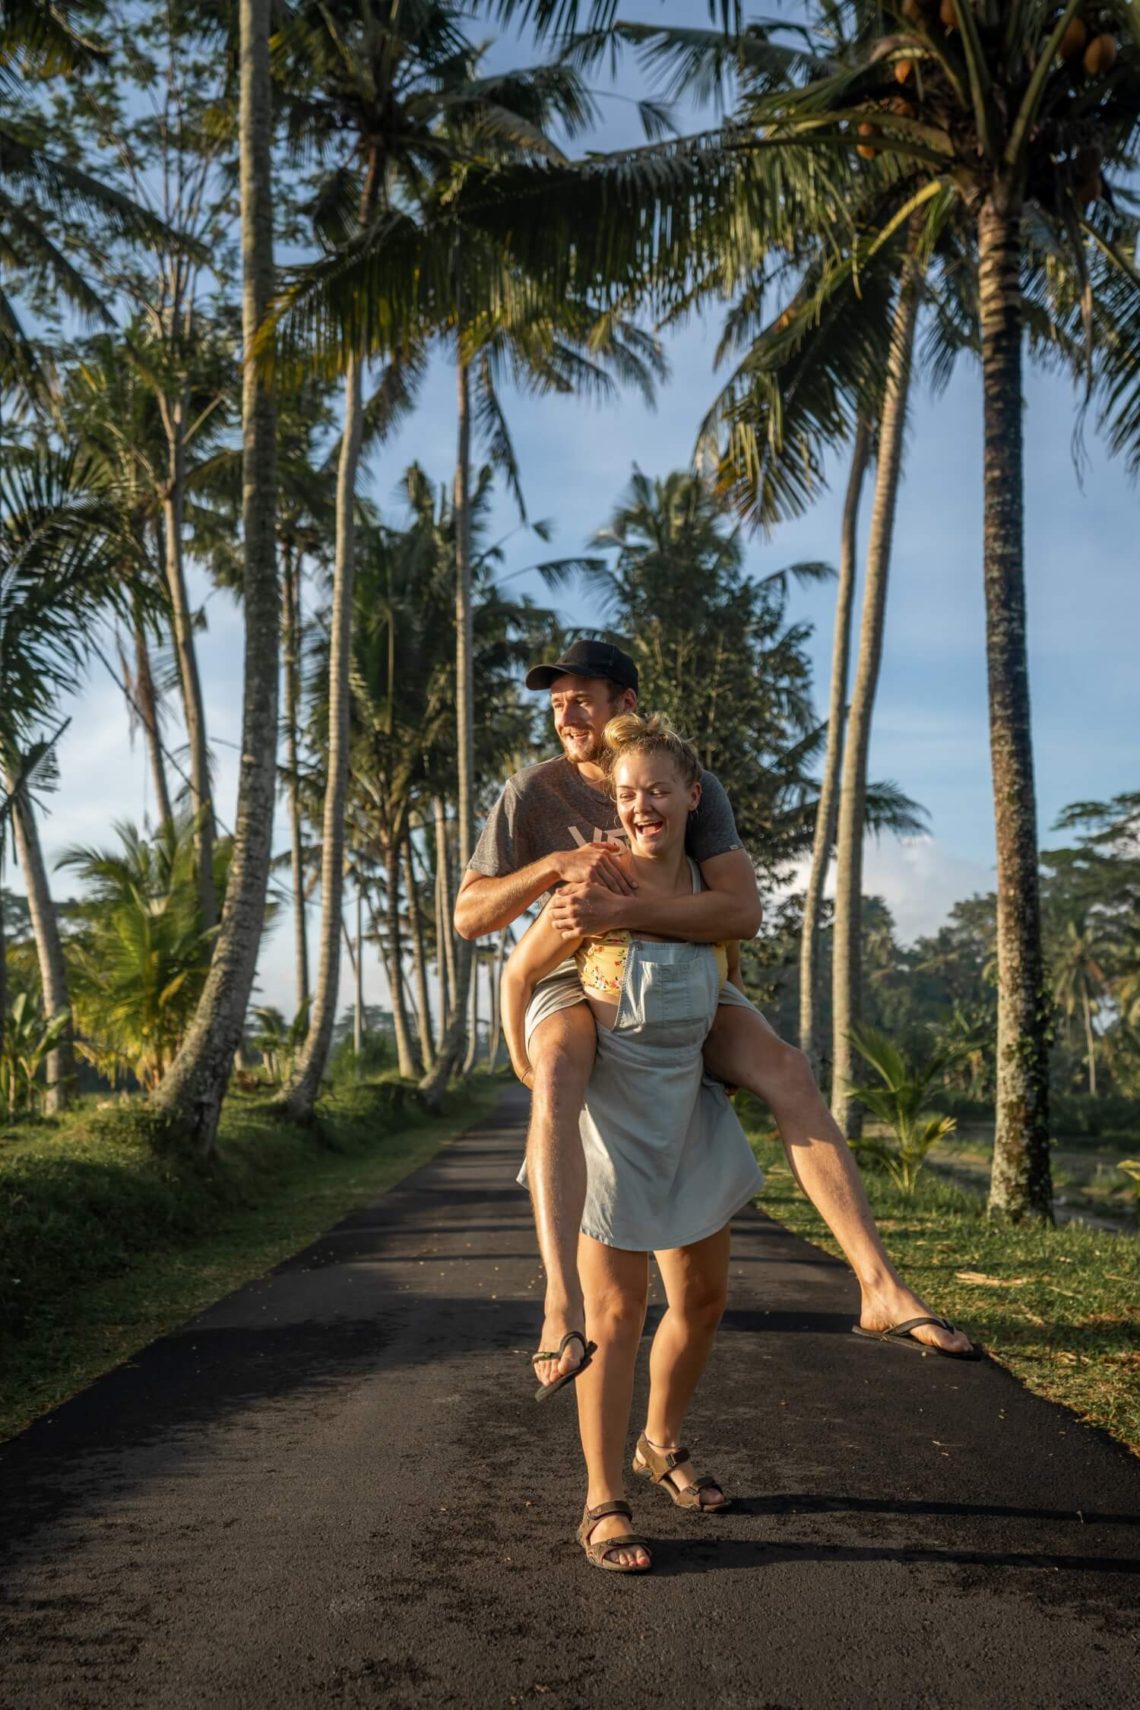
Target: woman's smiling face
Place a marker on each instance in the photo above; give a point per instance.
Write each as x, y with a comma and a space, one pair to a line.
653, 802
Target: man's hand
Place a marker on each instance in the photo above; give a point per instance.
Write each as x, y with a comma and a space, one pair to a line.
583, 911
601, 864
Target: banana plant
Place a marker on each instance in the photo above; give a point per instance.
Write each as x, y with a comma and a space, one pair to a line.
27, 1040
899, 1099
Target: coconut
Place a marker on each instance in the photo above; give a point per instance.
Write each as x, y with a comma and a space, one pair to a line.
1100, 55
948, 12
903, 70
1074, 39
864, 150
1088, 190
913, 10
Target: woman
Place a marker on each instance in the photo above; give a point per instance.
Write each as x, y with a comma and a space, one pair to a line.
667, 1161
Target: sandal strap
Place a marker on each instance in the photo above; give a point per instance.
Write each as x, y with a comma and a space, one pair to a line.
705, 1483
662, 1461
593, 1515
557, 1353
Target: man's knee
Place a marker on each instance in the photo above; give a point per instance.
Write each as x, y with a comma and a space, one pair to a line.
749, 1053
562, 1052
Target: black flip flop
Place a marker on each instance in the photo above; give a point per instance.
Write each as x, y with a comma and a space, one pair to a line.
588, 1348
900, 1335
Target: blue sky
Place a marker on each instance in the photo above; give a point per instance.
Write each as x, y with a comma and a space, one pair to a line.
930, 733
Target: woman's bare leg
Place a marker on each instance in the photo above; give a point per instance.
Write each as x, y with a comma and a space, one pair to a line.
696, 1283
615, 1284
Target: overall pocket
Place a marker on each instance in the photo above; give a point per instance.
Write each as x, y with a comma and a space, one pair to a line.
672, 994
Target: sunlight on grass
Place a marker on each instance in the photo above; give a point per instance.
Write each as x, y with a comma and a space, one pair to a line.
1059, 1307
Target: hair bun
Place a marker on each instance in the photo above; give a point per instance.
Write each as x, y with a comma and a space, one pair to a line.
631, 732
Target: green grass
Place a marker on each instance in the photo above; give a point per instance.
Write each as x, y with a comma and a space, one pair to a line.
105, 1245
1059, 1307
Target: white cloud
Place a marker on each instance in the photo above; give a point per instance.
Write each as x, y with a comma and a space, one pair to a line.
918, 878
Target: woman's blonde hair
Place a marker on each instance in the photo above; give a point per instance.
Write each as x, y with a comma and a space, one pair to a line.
631, 733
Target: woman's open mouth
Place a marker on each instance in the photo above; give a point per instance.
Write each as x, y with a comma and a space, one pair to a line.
648, 828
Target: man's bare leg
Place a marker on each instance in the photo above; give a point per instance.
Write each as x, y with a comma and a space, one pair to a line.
562, 1054
744, 1051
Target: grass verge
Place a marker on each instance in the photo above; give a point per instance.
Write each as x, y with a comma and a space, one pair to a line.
1059, 1307
104, 1245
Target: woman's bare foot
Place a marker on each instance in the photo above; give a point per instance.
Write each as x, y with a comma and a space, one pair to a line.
613, 1526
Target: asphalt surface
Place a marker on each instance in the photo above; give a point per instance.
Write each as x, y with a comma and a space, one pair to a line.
333, 1488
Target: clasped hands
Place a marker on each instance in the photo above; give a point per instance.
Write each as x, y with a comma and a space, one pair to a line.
596, 883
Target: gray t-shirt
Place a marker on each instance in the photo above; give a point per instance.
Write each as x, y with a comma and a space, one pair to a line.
549, 807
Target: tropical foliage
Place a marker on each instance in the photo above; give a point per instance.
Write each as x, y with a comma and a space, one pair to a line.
868, 194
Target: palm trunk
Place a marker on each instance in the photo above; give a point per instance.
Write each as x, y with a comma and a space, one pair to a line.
49, 949
192, 1091
1021, 1183
444, 937
147, 701
405, 1055
302, 1092
358, 970
453, 1046
1090, 1045
828, 810
473, 1021
419, 957
440, 958
847, 960
193, 707
291, 617
496, 1003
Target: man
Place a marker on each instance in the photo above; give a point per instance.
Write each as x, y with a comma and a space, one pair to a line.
554, 829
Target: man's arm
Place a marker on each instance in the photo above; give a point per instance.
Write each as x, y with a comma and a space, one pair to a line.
487, 904
729, 908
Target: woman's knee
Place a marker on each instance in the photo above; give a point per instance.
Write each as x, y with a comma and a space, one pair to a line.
703, 1307
616, 1315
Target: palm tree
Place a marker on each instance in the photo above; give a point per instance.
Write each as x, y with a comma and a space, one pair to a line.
407, 81
39, 187
57, 577
140, 957
847, 971
367, 87
1008, 139
1080, 980
828, 810
190, 1096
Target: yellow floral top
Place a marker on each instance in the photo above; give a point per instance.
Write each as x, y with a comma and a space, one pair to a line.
601, 963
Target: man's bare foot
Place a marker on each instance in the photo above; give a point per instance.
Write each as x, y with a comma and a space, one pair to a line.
554, 1327
886, 1307
614, 1526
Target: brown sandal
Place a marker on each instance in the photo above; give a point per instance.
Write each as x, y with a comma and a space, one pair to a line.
596, 1554
657, 1465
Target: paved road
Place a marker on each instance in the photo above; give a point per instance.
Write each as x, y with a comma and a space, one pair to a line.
333, 1489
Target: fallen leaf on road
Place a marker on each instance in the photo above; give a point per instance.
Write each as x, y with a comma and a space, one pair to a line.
980, 1280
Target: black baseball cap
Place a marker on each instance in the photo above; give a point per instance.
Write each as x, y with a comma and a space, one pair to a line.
587, 658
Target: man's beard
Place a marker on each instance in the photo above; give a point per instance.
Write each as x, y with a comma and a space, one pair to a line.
586, 750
